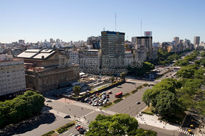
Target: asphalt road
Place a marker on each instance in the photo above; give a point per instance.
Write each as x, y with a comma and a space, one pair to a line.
128, 105
160, 132
69, 108
44, 128
87, 113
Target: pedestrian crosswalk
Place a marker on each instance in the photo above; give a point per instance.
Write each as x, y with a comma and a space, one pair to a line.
185, 132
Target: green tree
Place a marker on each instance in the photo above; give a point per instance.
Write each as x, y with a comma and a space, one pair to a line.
197, 62
166, 103
202, 62
123, 75
20, 108
112, 79
142, 132
183, 62
5, 108
113, 125
189, 92
168, 84
147, 66
76, 90
200, 107
163, 97
186, 72
149, 96
202, 54
140, 71
199, 74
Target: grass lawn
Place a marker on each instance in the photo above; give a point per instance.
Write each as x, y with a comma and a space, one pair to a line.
65, 127
50, 133
134, 91
148, 110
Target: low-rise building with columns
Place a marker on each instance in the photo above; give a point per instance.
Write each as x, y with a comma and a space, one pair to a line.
47, 69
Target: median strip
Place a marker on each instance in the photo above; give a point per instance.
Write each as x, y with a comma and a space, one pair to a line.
60, 130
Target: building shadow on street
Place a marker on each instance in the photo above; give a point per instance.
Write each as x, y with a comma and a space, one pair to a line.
28, 125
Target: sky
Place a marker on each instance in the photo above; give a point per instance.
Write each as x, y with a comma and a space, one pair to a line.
73, 20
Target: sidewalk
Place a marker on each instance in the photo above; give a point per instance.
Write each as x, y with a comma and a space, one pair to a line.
200, 132
154, 121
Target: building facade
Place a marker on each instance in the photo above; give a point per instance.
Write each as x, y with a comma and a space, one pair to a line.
196, 41
48, 69
129, 58
12, 76
73, 57
112, 52
144, 43
90, 61
176, 40
94, 41
112, 58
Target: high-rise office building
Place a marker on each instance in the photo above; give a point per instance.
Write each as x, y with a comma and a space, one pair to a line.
196, 41
112, 51
21, 42
176, 40
52, 40
94, 42
143, 42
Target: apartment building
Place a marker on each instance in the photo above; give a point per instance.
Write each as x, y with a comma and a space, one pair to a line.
90, 61
12, 75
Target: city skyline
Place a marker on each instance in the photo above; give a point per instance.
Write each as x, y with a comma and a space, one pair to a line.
76, 20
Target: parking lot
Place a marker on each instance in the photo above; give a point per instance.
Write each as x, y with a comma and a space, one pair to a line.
100, 99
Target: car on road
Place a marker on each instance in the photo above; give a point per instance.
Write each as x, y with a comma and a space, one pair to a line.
138, 102
190, 131
118, 95
76, 126
48, 101
80, 129
75, 135
67, 116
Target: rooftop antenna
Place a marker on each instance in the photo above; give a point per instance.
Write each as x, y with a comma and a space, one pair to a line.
115, 22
